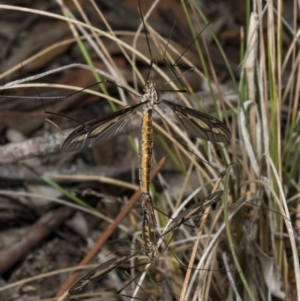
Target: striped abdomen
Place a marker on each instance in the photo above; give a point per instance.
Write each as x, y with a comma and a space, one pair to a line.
145, 154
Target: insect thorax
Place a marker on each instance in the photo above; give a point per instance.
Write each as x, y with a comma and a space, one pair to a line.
151, 93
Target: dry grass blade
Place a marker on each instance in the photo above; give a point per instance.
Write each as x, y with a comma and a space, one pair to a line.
261, 113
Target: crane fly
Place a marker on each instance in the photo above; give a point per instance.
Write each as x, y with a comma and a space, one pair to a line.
102, 129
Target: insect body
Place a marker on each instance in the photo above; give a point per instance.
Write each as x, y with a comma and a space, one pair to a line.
100, 130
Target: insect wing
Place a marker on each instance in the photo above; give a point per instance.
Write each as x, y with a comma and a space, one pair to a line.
194, 211
99, 130
199, 124
97, 273
208, 201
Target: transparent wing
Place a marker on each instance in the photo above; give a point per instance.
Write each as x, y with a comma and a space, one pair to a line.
99, 130
194, 211
199, 124
97, 273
